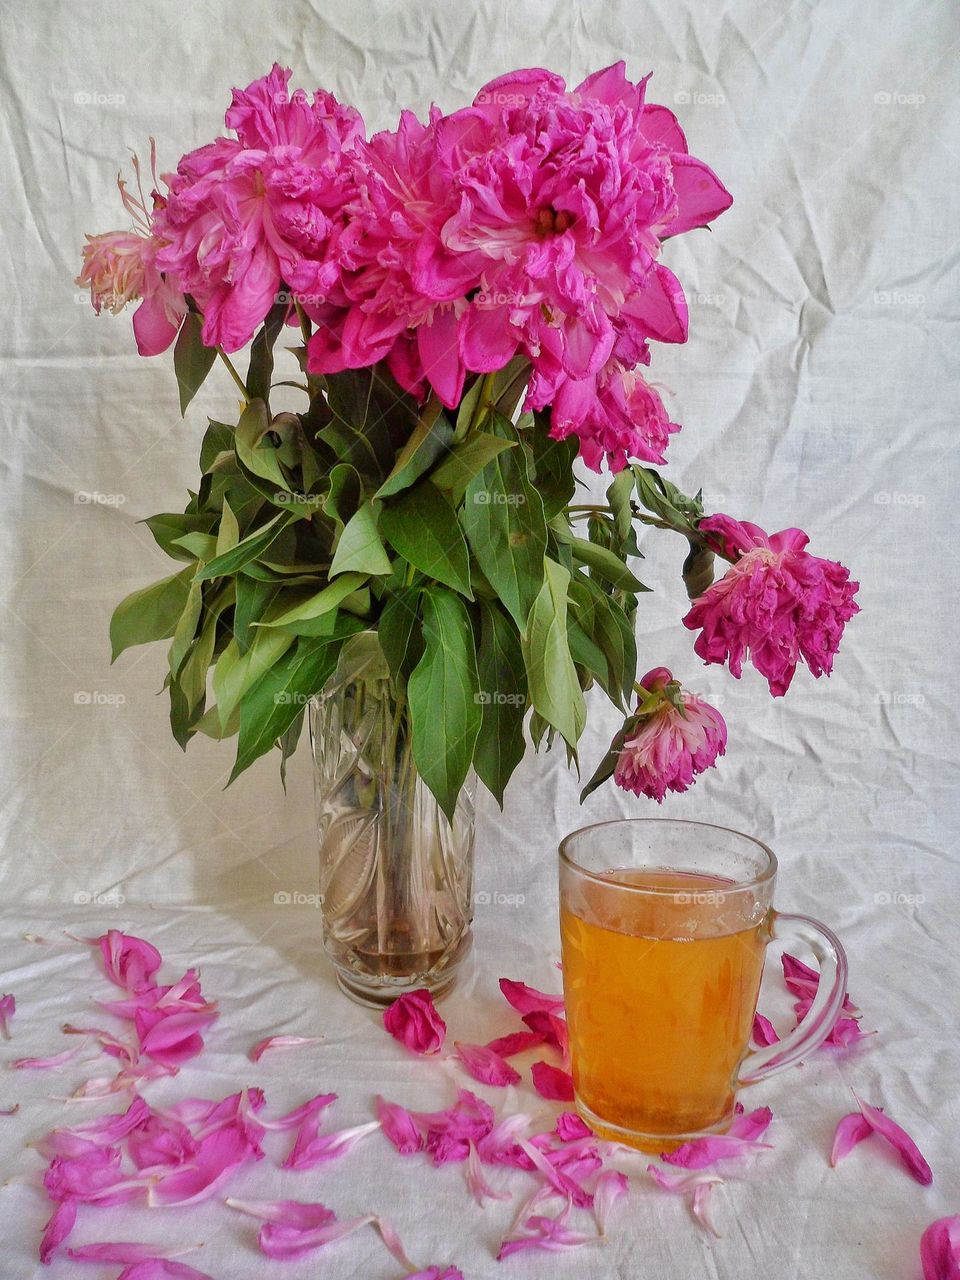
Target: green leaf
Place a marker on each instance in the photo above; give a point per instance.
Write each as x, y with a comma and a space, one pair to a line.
554, 688
236, 673
665, 500
260, 371
443, 693
552, 466
400, 636
258, 455
151, 613
605, 564
345, 493
186, 626
323, 602
614, 634
193, 673
431, 437
253, 599
372, 419
249, 548
217, 439
698, 571
274, 703
503, 519
467, 460
228, 535
421, 526
170, 525
288, 744
360, 548
192, 361
619, 497
198, 546
503, 700
585, 652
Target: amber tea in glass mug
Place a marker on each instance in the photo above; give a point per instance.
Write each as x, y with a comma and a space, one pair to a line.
664, 925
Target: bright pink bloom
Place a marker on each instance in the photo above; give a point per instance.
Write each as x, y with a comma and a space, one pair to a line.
777, 604
485, 1065
666, 748
244, 217
413, 1020
551, 1082
940, 1250
527, 999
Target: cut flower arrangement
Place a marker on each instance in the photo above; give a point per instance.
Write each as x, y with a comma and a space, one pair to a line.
471, 303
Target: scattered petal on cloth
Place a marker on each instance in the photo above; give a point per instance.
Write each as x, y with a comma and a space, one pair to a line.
699, 1184
609, 1187
563, 1181
219, 1154
125, 1252
741, 1140
437, 1273
527, 999
485, 1065
900, 1140
552, 1028
293, 1228
516, 1042
480, 1188
539, 1232
8, 1007
162, 1269
501, 1145
413, 1020
280, 1042
551, 1082
309, 1151
764, 1033
570, 1127
399, 1126
127, 961
299, 1114
301, 1214
42, 1064
57, 1229
851, 1130
940, 1249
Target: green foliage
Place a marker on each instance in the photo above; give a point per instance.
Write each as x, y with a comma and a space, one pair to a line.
367, 537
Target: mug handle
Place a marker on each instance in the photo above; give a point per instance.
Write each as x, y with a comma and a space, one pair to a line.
827, 1003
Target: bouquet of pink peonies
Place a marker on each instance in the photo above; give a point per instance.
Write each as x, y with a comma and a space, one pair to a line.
472, 302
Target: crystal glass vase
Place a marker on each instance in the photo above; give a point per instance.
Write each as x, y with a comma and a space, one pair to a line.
396, 878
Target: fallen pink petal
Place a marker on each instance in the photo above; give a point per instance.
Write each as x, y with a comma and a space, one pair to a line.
413, 1020
127, 961
940, 1249
552, 1082
44, 1064
900, 1140
400, 1127
57, 1230
438, 1273
301, 1214
8, 1007
539, 1232
764, 1033
570, 1127
609, 1188
280, 1042
162, 1269
516, 1042
851, 1130
480, 1188
527, 999
121, 1252
699, 1185
485, 1065
309, 1151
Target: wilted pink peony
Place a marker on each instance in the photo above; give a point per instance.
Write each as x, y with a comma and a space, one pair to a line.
413, 1020
777, 605
617, 416
121, 267
245, 216
668, 747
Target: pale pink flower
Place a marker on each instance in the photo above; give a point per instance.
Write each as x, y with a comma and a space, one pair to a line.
247, 215
664, 747
121, 267
413, 1020
777, 604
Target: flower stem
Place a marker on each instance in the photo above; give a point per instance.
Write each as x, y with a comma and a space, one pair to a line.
233, 372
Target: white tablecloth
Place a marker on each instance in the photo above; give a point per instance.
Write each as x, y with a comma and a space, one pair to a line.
819, 388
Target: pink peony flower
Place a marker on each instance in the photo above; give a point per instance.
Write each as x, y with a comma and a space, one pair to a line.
413, 1020
529, 222
121, 267
665, 747
247, 215
777, 605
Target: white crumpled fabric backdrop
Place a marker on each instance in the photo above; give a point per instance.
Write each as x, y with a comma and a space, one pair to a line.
818, 388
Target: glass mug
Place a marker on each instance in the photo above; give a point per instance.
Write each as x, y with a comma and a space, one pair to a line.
664, 925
